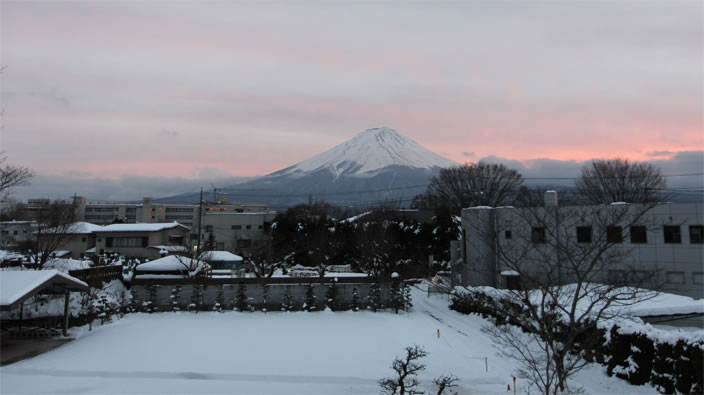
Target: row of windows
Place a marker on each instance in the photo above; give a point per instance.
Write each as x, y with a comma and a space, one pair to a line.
209, 228
674, 278
179, 209
126, 242
14, 232
100, 217
101, 209
175, 217
614, 234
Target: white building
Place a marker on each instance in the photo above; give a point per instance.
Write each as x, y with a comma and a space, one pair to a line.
627, 239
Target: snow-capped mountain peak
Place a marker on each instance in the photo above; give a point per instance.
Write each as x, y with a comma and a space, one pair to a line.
367, 152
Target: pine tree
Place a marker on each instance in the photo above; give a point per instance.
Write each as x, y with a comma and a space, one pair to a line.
309, 304
196, 298
151, 304
333, 294
407, 299
397, 301
287, 304
175, 298
265, 291
374, 298
241, 302
219, 299
355, 299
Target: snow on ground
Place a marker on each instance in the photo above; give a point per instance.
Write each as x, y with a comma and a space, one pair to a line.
276, 353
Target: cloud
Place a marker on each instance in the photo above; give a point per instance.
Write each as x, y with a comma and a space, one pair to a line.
469, 154
127, 188
684, 170
170, 133
660, 153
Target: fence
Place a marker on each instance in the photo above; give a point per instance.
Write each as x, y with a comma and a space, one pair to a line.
272, 294
95, 276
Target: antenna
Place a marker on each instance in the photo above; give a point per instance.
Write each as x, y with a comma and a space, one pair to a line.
215, 193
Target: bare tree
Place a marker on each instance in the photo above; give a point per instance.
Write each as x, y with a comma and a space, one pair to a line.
12, 175
194, 258
618, 180
406, 369
444, 382
473, 184
55, 227
574, 272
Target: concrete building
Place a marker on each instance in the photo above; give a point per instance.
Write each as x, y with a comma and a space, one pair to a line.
14, 232
626, 239
242, 233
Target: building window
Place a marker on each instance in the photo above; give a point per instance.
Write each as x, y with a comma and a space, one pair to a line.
244, 243
616, 276
83, 239
675, 277
236, 227
248, 227
208, 228
508, 235
698, 278
614, 234
261, 227
672, 234
537, 235
126, 242
639, 235
696, 234
584, 234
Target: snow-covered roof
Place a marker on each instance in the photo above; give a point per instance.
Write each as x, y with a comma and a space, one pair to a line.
225, 256
169, 248
83, 228
17, 286
171, 263
153, 227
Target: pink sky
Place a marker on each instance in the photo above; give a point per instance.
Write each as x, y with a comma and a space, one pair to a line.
188, 89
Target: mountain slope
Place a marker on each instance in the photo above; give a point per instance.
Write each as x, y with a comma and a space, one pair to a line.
378, 165
368, 152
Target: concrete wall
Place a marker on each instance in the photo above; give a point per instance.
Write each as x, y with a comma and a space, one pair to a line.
680, 264
255, 294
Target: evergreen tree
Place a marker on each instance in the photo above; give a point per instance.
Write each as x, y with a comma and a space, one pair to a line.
309, 304
241, 302
219, 299
265, 295
407, 302
151, 304
333, 294
355, 299
396, 299
175, 298
287, 304
196, 298
374, 298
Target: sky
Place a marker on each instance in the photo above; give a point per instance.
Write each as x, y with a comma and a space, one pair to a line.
122, 94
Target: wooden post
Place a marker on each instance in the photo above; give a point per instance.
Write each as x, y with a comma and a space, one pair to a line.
66, 311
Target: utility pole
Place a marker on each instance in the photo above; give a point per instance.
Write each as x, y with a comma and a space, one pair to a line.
200, 221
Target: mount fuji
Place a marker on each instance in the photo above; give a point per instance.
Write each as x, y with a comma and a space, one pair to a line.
378, 165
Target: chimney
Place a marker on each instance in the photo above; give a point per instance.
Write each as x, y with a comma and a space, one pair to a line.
550, 198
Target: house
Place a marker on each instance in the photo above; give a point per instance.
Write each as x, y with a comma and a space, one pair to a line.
133, 240
172, 266
665, 238
223, 260
13, 233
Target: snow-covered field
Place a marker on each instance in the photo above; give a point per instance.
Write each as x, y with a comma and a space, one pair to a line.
276, 353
